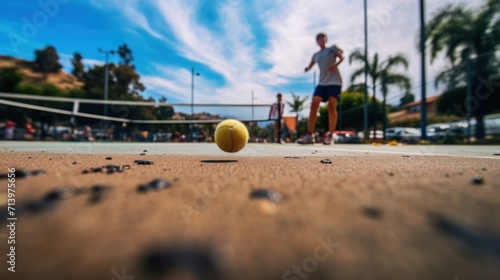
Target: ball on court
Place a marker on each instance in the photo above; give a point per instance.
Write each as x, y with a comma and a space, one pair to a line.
231, 136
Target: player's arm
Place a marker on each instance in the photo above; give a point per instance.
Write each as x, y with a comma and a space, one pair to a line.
311, 64
340, 55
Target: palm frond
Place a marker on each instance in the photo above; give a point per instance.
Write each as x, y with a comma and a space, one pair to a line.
357, 55
402, 81
357, 73
298, 103
447, 22
395, 60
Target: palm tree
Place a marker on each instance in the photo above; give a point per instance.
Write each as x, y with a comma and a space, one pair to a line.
373, 73
382, 71
389, 78
463, 33
297, 105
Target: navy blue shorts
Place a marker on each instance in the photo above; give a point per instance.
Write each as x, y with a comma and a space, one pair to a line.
325, 92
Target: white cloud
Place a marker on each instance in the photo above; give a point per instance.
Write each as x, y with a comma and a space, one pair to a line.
139, 19
234, 51
131, 12
65, 60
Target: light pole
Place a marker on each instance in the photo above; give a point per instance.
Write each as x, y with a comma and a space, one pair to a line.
423, 105
192, 90
469, 97
367, 132
106, 78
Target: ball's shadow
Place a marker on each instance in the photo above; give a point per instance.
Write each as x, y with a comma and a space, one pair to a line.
218, 161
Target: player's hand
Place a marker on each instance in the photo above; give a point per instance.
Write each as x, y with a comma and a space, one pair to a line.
306, 69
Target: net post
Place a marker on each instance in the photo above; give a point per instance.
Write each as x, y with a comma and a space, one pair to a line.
279, 123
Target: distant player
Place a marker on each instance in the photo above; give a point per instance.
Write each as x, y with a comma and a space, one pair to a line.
328, 89
274, 114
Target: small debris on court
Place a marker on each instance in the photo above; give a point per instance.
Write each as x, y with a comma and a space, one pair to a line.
326, 161
478, 180
143, 162
164, 262
155, 185
268, 194
51, 199
108, 169
97, 193
20, 173
487, 243
372, 212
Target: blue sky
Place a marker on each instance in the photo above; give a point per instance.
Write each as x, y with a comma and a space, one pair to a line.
237, 46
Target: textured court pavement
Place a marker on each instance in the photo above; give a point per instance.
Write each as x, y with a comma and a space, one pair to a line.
374, 212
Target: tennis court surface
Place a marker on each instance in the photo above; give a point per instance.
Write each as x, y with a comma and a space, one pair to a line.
189, 211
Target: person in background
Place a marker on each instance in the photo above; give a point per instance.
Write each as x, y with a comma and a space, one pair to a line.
10, 126
87, 133
276, 114
29, 130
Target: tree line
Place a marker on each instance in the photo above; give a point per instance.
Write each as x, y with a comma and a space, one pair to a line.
124, 84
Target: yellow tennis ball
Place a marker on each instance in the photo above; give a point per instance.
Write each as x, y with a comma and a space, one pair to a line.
231, 136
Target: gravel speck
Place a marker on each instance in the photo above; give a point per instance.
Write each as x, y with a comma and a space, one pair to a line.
155, 185
143, 162
477, 180
372, 212
271, 195
97, 193
198, 262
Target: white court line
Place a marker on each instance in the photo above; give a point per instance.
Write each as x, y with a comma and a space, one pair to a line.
316, 148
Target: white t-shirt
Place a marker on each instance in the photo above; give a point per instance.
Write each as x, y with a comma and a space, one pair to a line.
273, 114
325, 58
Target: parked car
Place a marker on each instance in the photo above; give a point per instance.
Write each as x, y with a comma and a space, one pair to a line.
346, 136
461, 128
440, 132
403, 134
378, 136
492, 125
437, 133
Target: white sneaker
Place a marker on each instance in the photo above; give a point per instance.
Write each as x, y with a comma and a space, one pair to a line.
329, 140
308, 139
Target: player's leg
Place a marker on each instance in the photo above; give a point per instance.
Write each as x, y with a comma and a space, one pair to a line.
332, 113
313, 114
333, 101
276, 140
